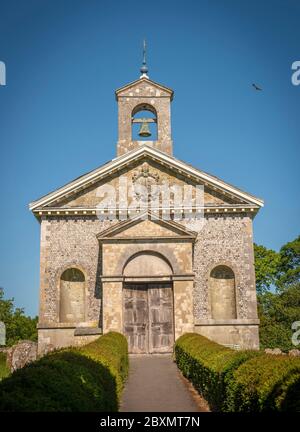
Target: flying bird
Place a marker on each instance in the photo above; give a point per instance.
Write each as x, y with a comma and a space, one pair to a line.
256, 87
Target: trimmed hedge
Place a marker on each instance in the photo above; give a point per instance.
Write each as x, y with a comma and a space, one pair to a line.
90, 378
267, 383
239, 380
208, 366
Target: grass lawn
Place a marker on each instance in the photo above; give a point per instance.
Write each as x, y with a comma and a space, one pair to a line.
4, 372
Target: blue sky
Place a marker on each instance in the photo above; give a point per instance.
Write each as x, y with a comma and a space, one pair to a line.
58, 115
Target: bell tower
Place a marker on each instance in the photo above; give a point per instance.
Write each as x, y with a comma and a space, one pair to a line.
144, 114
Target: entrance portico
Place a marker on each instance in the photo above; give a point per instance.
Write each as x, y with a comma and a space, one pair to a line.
147, 283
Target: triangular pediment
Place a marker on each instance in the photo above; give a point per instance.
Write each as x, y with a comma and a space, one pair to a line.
144, 87
147, 225
83, 193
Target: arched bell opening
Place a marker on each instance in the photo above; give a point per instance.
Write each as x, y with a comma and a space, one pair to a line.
144, 123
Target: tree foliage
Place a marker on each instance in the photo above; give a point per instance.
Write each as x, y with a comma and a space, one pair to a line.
18, 325
289, 265
278, 289
277, 312
266, 268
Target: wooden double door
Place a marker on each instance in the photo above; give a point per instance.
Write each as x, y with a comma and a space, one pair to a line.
148, 317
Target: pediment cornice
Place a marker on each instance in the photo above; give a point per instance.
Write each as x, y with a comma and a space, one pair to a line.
171, 229
116, 165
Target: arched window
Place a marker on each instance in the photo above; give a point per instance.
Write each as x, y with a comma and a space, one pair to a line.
222, 293
72, 289
144, 123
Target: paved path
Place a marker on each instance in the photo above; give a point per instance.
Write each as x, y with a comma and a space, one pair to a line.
155, 384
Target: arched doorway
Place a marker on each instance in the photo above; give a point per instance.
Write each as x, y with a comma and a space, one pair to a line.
148, 306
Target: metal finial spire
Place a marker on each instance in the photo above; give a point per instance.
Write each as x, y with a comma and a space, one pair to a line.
144, 68
144, 51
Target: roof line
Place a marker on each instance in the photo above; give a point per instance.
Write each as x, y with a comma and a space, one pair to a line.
141, 151
168, 89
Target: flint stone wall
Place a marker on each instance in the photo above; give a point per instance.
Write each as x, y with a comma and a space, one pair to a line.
70, 241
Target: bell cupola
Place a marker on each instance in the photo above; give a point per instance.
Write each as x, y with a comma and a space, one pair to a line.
144, 114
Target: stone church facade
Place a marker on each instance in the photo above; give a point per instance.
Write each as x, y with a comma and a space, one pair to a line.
152, 273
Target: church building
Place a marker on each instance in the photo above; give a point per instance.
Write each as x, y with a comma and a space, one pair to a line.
146, 245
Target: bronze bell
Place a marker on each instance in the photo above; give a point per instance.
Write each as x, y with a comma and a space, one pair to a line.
144, 129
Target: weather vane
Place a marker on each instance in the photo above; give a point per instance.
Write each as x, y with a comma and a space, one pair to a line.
144, 68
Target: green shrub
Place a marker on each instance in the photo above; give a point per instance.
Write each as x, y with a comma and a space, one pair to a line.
111, 351
74, 379
267, 383
239, 380
209, 366
4, 371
